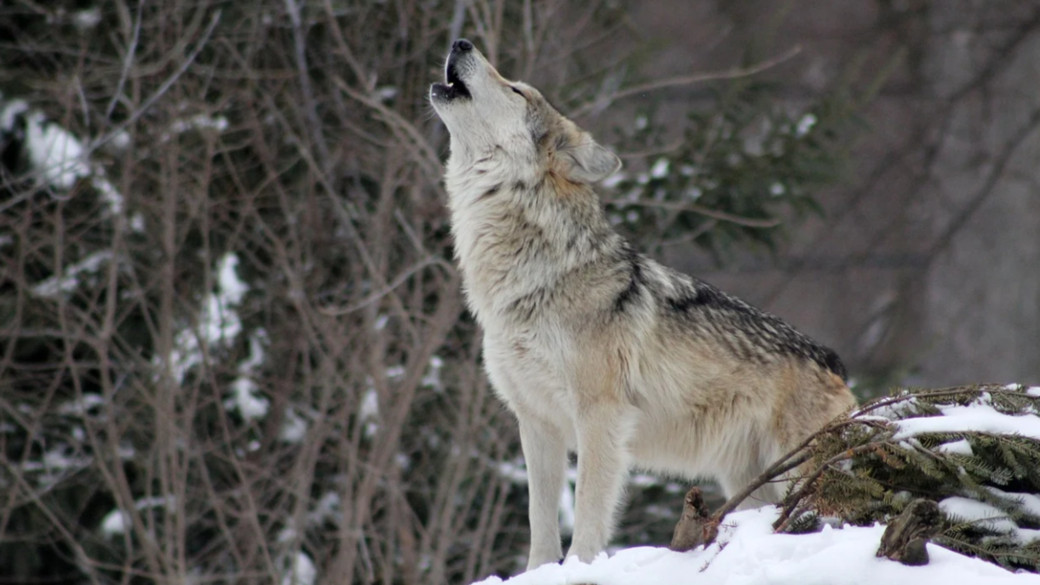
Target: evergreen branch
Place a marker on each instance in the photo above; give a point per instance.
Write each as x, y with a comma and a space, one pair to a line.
788, 462
879, 478
807, 485
928, 395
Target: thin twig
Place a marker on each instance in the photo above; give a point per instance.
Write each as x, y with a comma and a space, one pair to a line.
165, 87
393, 284
423, 152
303, 76
734, 73
128, 63
705, 211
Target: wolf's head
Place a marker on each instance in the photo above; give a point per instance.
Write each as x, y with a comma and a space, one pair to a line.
488, 115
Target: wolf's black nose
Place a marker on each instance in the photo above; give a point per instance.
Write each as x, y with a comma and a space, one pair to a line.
462, 45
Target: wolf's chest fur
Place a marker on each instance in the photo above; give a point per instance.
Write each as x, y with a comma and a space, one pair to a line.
524, 243
540, 267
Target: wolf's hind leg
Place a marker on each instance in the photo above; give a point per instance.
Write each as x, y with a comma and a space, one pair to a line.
738, 479
546, 456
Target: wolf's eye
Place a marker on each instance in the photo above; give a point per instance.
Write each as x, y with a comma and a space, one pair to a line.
518, 92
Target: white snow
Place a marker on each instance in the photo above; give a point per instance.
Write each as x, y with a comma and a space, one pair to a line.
613, 180
386, 93
57, 157
748, 553
86, 19
805, 124
960, 447
82, 405
991, 517
976, 417
62, 284
115, 522
513, 471
1027, 535
54, 152
109, 194
231, 286
660, 168
302, 571
693, 193
368, 412
119, 142
294, 427
246, 400
432, 378
1028, 503
327, 508
979, 513
137, 223
245, 393
566, 511
196, 122
10, 111
219, 323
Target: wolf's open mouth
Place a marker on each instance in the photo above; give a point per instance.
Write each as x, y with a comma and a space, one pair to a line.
454, 86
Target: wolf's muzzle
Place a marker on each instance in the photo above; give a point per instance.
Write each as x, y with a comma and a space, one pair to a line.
454, 87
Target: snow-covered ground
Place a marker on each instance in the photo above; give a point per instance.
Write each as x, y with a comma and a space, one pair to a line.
747, 552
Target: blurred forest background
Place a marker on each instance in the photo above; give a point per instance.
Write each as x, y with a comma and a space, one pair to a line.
232, 342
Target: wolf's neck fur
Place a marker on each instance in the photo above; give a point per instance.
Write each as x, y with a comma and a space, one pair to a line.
518, 233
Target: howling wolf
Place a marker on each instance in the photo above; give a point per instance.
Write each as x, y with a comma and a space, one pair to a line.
596, 348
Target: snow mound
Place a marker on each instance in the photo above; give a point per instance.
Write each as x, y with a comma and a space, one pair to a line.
973, 418
747, 552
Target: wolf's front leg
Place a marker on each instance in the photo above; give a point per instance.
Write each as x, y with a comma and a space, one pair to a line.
546, 456
603, 432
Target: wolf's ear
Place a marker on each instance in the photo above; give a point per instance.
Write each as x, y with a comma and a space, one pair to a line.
585, 161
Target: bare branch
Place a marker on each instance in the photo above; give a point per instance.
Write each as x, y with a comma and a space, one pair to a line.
735, 73
701, 210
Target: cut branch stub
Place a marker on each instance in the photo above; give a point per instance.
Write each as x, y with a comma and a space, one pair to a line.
696, 526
